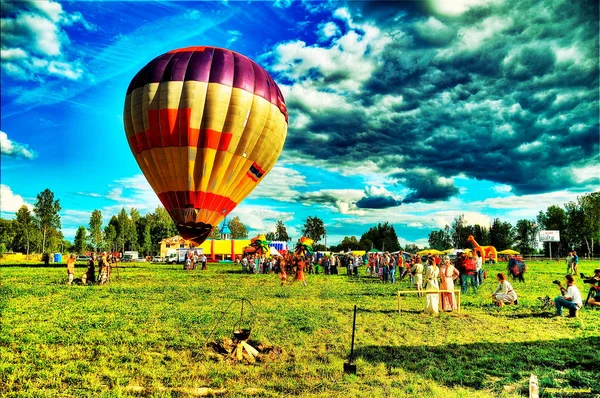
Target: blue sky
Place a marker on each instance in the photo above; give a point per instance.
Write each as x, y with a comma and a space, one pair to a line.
407, 112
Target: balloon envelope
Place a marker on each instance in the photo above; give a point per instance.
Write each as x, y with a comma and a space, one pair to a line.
205, 125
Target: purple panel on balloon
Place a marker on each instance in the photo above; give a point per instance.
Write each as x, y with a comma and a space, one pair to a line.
175, 71
243, 76
260, 82
221, 70
199, 65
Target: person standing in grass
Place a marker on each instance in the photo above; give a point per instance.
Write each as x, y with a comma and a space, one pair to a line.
468, 277
417, 271
448, 273
393, 270
103, 269
433, 297
300, 264
570, 263
478, 268
570, 298
70, 269
504, 294
575, 263
90, 275
282, 270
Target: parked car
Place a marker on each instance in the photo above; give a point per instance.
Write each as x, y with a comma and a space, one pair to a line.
141, 260
157, 259
83, 258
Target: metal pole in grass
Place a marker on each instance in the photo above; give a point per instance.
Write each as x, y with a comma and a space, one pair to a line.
350, 367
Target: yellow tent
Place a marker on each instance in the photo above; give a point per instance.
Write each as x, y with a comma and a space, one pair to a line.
509, 251
429, 251
448, 251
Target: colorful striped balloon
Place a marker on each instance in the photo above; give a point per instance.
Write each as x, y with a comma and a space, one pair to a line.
205, 125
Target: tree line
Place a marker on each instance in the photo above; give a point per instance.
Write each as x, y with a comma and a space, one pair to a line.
578, 222
39, 231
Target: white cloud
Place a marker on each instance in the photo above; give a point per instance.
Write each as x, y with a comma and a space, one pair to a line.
502, 188
260, 219
457, 7
234, 35
34, 41
280, 184
328, 30
13, 148
348, 61
11, 202
282, 3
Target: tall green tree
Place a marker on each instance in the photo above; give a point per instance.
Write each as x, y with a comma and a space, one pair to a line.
412, 248
502, 235
383, 237
111, 234
481, 235
590, 206
215, 233
348, 243
440, 240
525, 235
144, 236
281, 232
237, 228
161, 226
95, 229
314, 228
46, 212
575, 219
460, 232
80, 240
554, 218
24, 225
7, 233
132, 229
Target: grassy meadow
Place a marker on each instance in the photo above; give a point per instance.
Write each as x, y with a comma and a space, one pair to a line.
154, 333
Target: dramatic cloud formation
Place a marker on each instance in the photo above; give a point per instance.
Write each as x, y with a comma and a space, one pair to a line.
11, 202
15, 149
34, 40
498, 91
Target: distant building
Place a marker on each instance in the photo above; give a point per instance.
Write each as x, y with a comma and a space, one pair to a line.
216, 249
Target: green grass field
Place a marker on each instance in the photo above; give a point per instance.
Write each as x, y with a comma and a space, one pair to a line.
149, 334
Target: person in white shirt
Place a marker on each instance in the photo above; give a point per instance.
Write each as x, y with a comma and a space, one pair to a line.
478, 268
570, 298
504, 294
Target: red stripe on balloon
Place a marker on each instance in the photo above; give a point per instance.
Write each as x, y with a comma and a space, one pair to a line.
252, 176
182, 200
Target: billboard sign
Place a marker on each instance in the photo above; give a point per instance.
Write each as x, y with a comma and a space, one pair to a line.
549, 236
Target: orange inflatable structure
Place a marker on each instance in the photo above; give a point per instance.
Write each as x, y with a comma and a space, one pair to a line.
486, 252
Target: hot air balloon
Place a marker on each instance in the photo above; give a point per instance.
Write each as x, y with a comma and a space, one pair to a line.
205, 125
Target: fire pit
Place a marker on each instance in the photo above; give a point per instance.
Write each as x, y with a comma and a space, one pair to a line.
241, 333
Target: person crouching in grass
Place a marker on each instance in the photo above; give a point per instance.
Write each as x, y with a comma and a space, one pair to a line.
570, 298
70, 269
504, 294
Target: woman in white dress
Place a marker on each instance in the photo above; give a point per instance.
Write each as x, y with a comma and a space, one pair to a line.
448, 274
432, 274
504, 294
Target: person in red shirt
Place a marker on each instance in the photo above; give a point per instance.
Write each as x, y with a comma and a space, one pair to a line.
300, 264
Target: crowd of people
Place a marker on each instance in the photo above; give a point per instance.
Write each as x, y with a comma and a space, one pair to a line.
428, 274
105, 262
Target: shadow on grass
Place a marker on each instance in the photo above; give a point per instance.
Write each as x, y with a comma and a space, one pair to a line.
557, 363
